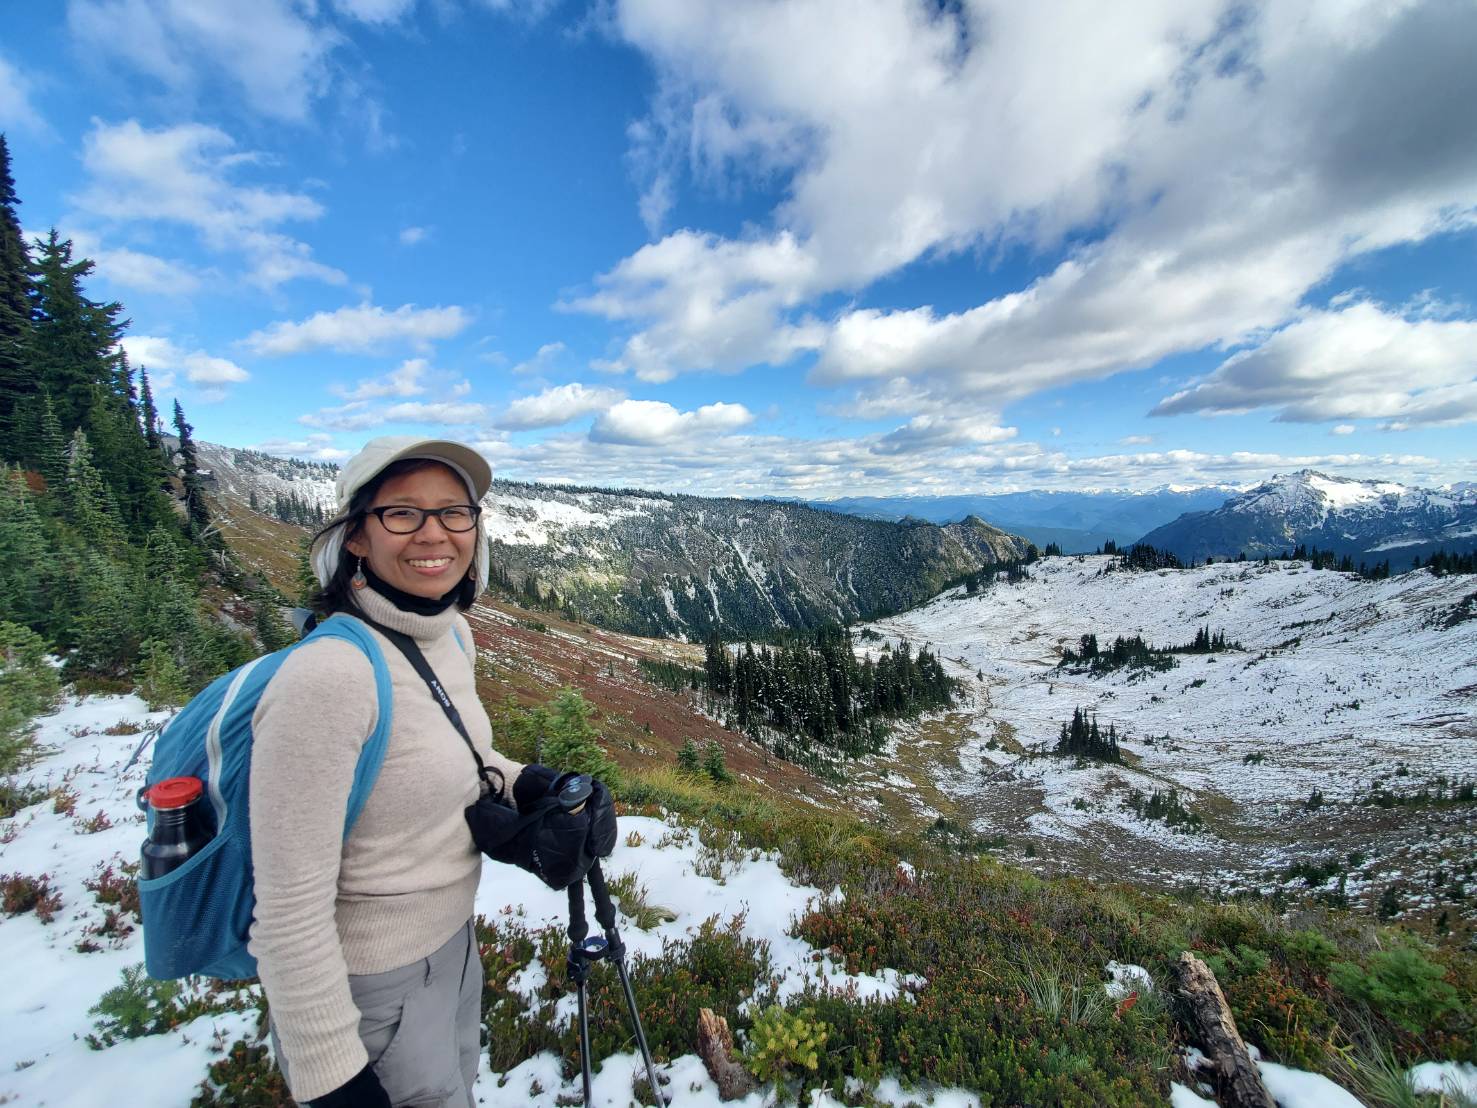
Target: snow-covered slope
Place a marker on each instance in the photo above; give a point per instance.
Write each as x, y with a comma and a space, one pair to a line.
1338, 683
1371, 520
58, 970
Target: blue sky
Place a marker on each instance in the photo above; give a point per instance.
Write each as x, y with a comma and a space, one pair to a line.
818, 248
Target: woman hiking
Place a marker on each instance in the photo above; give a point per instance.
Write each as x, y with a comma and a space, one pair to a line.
364, 944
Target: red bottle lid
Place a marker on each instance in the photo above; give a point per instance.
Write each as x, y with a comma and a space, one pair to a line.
175, 792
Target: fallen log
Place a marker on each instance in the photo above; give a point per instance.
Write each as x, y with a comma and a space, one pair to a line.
1237, 1076
715, 1048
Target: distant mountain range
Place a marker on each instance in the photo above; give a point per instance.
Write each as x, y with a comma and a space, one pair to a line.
681, 566
1078, 522
1370, 521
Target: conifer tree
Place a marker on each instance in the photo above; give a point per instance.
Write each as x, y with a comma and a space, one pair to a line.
17, 379
28, 562
90, 504
51, 448
74, 340
148, 413
195, 506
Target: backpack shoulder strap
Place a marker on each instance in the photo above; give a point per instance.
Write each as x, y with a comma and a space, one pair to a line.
349, 629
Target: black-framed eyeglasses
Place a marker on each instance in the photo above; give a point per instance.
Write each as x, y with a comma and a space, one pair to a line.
402, 519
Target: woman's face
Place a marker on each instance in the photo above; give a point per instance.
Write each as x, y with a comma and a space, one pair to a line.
431, 561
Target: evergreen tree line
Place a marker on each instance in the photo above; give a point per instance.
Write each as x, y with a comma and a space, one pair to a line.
1082, 738
1012, 569
817, 694
292, 508
105, 533
1134, 652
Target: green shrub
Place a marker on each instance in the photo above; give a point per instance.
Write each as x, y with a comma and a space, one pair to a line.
28, 688
1401, 985
782, 1042
14, 796
142, 1005
570, 741
1310, 949
244, 1078
21, 893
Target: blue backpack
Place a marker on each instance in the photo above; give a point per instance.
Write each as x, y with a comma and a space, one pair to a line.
196, 917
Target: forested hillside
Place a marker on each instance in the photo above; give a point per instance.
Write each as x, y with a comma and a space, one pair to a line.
107, 545
650, 563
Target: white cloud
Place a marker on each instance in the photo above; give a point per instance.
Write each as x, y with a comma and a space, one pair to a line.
134, 269
1343, 429
16, 109
1360, 362
405, 380
184, 175
937, 432
653, 423
1135, 440
363, 329
724, 465
542, 361
558, 405
717, 305
413, 236
375, 11
415, 411
1220, 169
313, 448
155, 352
266, 52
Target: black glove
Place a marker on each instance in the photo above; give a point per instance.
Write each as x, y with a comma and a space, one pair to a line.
362, 1091
601, 842
533, 785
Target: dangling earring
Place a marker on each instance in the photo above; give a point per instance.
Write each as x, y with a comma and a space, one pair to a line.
358, 581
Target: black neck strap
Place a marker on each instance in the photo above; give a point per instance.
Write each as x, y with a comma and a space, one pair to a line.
412, 651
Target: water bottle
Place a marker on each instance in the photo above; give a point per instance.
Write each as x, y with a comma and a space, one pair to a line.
180, 828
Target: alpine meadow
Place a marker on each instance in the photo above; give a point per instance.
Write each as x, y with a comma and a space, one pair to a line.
987, 490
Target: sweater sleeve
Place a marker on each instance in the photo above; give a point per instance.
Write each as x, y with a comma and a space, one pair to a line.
309, 727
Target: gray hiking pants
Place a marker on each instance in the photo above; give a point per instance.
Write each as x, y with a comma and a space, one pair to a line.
421, 1025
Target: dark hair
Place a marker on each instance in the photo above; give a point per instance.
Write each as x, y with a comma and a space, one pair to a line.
338, 594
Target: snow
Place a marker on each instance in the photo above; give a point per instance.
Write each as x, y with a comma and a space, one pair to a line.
1338, 681
45, 1061
541, 520
1445, 1077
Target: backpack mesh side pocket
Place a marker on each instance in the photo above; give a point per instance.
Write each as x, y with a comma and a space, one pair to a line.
195, 916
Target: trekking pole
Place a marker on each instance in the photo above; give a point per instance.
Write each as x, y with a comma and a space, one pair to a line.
584, 950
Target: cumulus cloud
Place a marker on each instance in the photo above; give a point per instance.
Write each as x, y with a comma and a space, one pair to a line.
135, 269
16, 109
200, 368
654, 423
715, 305
1359, 362
360, 415
185, 174
1343, 429
363, 329
1213, 169
404, 380
267, 52
542, 361
723, 465
413, 236
556, 406
930, 432
313, 448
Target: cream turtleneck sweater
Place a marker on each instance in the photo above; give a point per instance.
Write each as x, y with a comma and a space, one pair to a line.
405, 878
